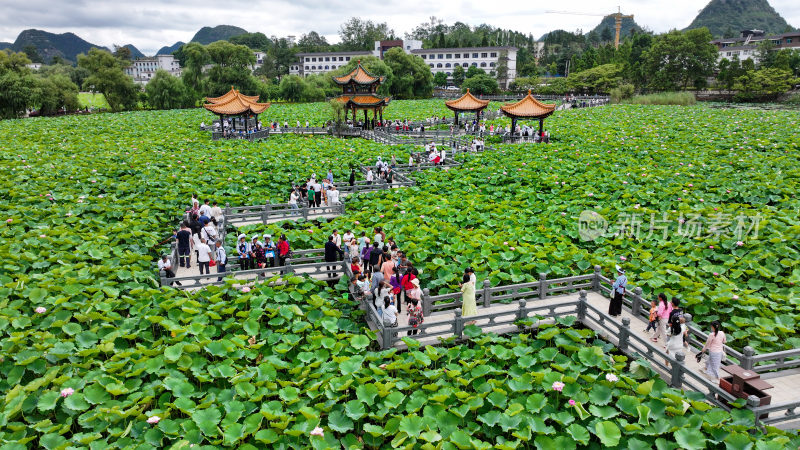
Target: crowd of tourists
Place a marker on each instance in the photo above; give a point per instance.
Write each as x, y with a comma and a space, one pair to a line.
668, 324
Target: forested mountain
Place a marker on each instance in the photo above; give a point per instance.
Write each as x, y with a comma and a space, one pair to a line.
207, 35
5, 45
726, 18
605, 30
48, 45
168, 50
135, 53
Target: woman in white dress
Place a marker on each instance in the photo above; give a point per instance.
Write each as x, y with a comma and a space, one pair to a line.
676, 332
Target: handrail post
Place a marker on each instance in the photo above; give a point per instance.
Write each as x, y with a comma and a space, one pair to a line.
542, 286
227, 209
426, 302
288, 266
521, 314
624, 333
676, 378
487, 293
747, 359
459, 325
341, 203
596, 279
305, 212
636, 306
163, 275
581, 306
387, 337
753, 402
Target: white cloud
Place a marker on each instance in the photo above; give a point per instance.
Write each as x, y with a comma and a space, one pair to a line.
151, 24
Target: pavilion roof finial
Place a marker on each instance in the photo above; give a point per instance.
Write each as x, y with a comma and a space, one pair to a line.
467, 90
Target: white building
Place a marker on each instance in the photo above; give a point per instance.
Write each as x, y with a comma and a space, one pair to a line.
486, 58
315, 63
143, 69
260, 56
438, 59
746, 45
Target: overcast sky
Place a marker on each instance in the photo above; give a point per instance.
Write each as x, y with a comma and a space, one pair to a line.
151, 24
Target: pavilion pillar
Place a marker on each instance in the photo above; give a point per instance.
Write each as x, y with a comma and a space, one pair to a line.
541, 127
513, 125
455, 121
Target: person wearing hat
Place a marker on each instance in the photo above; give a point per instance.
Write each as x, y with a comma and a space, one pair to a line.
269, 250
257, 253
244, 250
617, 290
221, 257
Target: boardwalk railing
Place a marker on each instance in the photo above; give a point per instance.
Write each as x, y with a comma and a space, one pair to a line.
280, 211
322, 271
301, 130
260, 134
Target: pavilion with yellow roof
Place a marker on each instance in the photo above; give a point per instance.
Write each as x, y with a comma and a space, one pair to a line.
467, 103
235, 104
360, 92
526, 109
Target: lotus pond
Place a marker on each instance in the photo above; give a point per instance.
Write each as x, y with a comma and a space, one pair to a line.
86, 200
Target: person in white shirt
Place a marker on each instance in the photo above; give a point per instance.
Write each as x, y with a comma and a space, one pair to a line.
410, 160
209, 233
166, 265
370, 176
221, 257
216, 213
346, 238
306, 124
389, 313
333, 196
444, 155
203, 256
293, 198
298, 124
205, 210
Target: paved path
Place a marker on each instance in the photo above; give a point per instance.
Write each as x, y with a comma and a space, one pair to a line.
787, 382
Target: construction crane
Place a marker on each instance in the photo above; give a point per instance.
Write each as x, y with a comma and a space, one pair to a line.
618, 16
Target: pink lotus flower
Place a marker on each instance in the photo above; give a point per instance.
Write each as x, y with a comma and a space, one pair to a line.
513, 249
310, 230
359, 223
716, 274
590, 194
505, 243
9, 220
421, 217
381, 216
571, 402
739, 243
563, 214
245, 289
558, 386
42, 236
40, 310
622, 258
317, 432
67, 392
153, 420
690, 185
382, 366
711, 246
611, 378
735, 297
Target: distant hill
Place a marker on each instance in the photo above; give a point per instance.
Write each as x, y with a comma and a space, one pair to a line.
135, 53
207, 35
5, 45
609, 22
66, 45
165, 50
723, 17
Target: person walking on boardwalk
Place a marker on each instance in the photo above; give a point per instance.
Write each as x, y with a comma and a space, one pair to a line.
221, 257
352, 177
243, 249
283, 250
184, 240
663, 311
468, 306
331, 257
617, 290
204, 257
716, 350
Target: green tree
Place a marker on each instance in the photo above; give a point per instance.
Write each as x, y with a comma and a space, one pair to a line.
358, 34
502, 69
600, 79
18, 88
106, 76
728, 71
33, 53
440, 79
458, 75
313, 42
56, 92
193, 57
474, 70
679, 58
123, 54
524, 84
764, 84
165, 91
231, 65
411, 76
292, 88
480, 84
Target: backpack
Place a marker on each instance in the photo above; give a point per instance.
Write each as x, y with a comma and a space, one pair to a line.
676, 313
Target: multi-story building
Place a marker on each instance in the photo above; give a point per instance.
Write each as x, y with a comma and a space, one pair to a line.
143, 69
486, 58
439, 59
746, 45
314, 63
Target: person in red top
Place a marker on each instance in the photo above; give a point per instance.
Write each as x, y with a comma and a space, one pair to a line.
283, 250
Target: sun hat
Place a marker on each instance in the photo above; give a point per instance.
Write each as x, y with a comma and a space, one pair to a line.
620, 269
267, 236
415, 282
242, 236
